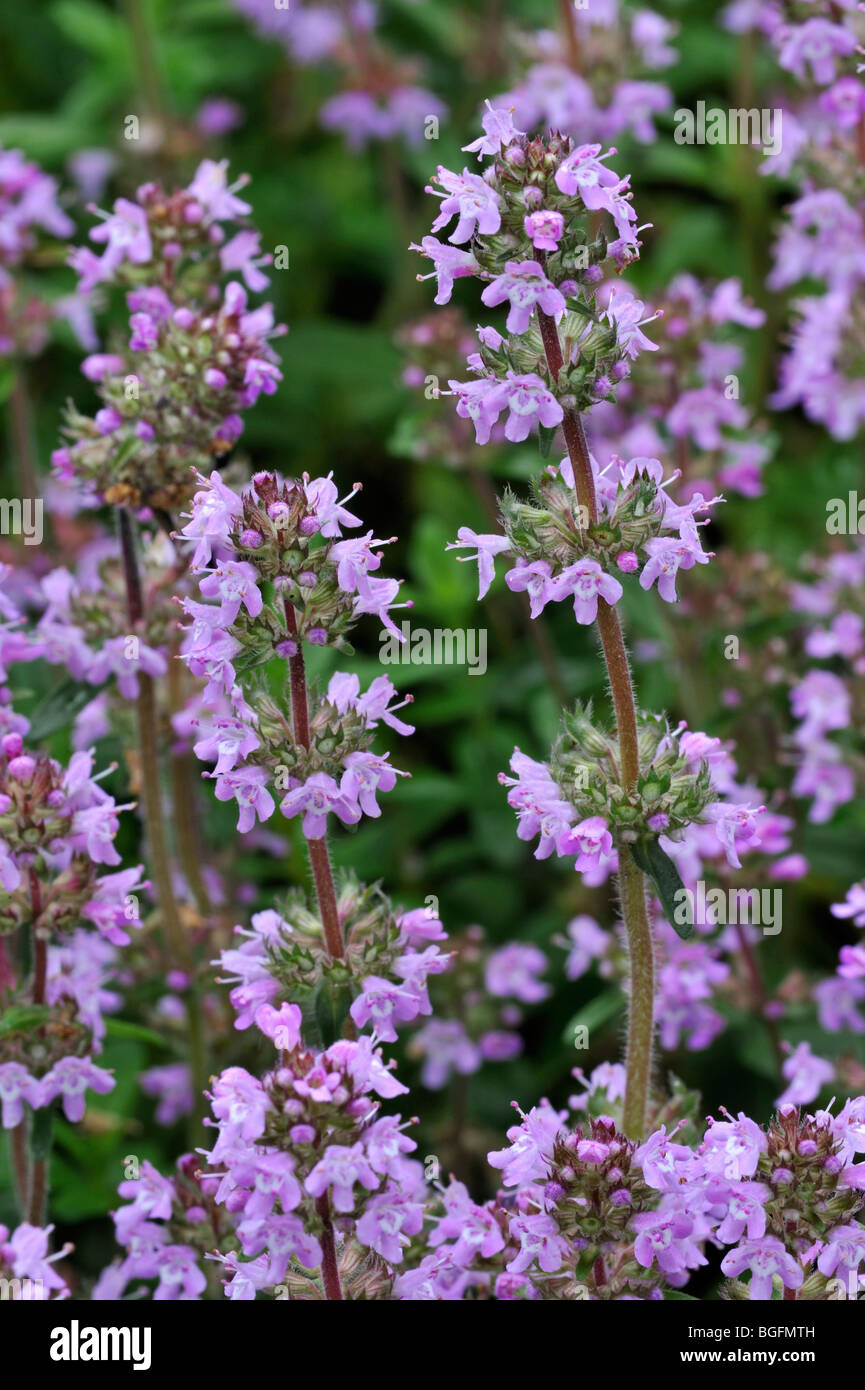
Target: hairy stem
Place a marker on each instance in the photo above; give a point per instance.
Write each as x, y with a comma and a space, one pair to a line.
631, 886
641, 969
329, 1265
38, 1192
318, 856
20, 1167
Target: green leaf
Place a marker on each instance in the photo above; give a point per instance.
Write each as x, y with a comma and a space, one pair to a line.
330, 1007
122, 1028
23, 1018
42, 1133
546, 435
59, 708
668, 883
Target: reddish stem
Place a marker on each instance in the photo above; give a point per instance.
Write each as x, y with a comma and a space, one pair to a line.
329, 1266
318, 856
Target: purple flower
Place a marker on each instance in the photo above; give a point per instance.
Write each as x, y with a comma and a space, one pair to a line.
735, 828
667, 555
227, 741
473, 1229
544, 229
540, 1244
281, 1025
25, 1252
339, 1169
590, 840
534, 578
365, 775
764, 1258
248, 787
179, 1275
486, 548
510, 973
499, 131
524, 285
625, 312
233, 582
70, 1078
852, 906
470, 199
815, 45
481, 402
668, 1237
529, 402
586, 581
843, 1252
127, 236
582, 174
16, 1087
733, 1147
211, 191
531, 1146
385, 1003
450, 264
388, 1221
806, 1075
316, 797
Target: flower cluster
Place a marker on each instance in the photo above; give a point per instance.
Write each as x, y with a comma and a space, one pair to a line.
380, 980
587, 1213
560, 554
577, 804
277, 573
58, 827
197, 354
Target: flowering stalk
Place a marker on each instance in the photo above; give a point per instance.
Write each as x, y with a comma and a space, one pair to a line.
632, 892
531, 222
332, 928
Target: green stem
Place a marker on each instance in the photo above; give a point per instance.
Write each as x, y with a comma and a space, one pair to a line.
632, 889
641, 968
